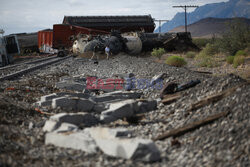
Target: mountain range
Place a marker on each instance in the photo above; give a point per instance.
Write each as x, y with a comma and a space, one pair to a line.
229, 9
210, 27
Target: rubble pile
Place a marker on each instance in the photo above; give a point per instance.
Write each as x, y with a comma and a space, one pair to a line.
157, 116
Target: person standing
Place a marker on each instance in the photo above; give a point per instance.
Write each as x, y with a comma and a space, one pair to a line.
94, 53
107, 51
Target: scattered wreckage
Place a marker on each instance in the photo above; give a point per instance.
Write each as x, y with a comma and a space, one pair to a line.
85, 111
132, 43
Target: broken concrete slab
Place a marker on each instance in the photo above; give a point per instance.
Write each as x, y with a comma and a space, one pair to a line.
51, 125
114, 142
110, 132
44, 103
70, 85
146, 106
48, 97
72, 103
77, 119
66, 127
127, 108
119, 110
75, 140
116, 96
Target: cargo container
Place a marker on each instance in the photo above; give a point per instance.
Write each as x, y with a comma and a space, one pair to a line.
62, 34
45, 40
109, 23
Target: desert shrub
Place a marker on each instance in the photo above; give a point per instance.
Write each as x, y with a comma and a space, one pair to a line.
201, 42
176, 61
236, 38
158, 52
230, 59
190, 54
208, 51
206, 56
240, 53
207, 62
238, 60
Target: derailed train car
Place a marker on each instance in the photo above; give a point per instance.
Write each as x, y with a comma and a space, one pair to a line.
136, 43
27, 42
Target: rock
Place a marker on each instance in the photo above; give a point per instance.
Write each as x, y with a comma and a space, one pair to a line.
119, 110
114, 142
99, 107
146, 106
66, 127
125, 75
71, 103
44, 103
117, 96
158, 78
51, 125
75, 118
31, 125
75, 140
48, 97
127, 108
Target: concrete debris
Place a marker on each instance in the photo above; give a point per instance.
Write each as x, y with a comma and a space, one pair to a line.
114, 142
85, 102
50, 125
66, 127
124, 76
119, 110
75, 118
126, 108
146, 106
75, 140
71, 85
158, 78
116, 96
55, 122
47, 100
73, 103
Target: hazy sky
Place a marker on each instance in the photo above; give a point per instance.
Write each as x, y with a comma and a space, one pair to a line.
33, 15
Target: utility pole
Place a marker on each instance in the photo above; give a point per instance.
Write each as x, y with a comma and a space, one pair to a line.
185, 8
160, 24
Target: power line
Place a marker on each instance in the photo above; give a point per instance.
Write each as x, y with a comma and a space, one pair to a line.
185, 8
160, 24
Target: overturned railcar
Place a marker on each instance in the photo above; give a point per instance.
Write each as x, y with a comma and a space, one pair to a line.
123, 24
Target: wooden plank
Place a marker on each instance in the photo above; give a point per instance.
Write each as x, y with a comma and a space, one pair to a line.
190, 127
213, 98
168, 99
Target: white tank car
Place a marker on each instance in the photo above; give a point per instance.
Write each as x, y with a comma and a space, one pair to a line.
133, 44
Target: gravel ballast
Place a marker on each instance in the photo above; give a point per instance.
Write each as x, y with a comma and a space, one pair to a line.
224, 142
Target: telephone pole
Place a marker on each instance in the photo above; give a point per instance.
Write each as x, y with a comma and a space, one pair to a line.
160, 24
185, 8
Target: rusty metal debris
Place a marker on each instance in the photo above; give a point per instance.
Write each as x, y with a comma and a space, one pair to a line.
173, 87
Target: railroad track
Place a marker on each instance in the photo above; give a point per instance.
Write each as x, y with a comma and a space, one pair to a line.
23, 68
28, 62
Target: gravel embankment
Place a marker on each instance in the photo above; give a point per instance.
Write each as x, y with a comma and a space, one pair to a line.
224, 142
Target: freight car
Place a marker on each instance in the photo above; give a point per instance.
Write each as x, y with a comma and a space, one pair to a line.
27, 42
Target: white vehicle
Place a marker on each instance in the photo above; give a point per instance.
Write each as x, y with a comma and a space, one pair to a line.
8, 47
